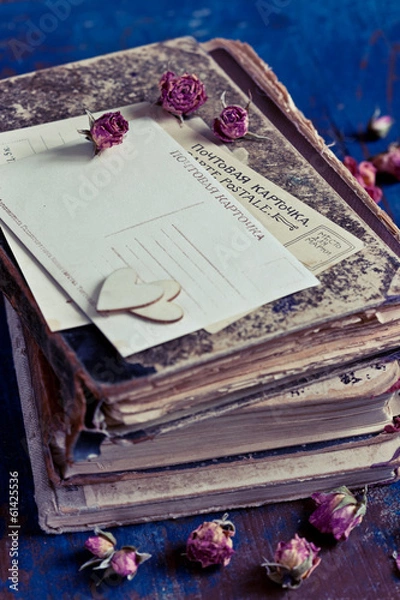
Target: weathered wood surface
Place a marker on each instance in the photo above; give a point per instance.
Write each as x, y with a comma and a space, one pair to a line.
340, 61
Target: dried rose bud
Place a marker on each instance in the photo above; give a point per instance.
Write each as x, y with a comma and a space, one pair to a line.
181, 95
232, 124
125, 562
379, 125
293, 562
389, 161
102, 544
394, 427
102, 547
211, 543
338, 512
106, 131
365, 173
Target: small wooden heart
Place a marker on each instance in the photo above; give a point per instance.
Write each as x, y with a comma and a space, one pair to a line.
121, 292
163, 310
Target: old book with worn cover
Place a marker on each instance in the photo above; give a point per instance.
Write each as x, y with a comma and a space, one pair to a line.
144, 494
355, 403
352, 316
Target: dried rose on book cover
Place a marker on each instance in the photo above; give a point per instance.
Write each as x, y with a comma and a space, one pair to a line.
182, 95
106, 131
338, 512
293, 562
211, 543
233, 123
389, 161
365, 173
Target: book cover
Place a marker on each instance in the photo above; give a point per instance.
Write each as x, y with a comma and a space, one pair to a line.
191, 488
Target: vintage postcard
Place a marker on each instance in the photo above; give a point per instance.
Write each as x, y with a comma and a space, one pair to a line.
149, 206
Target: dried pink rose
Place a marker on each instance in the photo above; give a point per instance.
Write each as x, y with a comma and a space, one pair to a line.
393, 427
365, 173
394, 387
379, 125
125, 562
106, 131
389, 161
211, 543
293, 562
183, 95
102, 544
232, 124
338, 512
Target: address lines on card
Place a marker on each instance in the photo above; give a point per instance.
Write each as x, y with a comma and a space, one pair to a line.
192, 263
164, 270
168, 272
186, 272
170, 253
207, 260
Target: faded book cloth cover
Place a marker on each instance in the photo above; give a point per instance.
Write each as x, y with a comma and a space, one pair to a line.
189, 488
357, 299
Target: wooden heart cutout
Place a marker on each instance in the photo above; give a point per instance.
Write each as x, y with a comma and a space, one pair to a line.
163, 310
121, 292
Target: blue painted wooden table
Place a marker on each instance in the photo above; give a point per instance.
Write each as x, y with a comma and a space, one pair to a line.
340, 60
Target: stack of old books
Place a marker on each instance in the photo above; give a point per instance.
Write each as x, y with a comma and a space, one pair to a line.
281, 376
